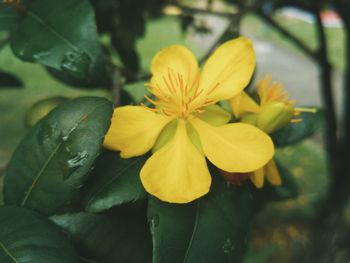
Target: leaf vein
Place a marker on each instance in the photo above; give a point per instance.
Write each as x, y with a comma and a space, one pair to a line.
8, 252
193, 232
31, 187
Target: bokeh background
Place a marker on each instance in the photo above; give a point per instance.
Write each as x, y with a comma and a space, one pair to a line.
283, 230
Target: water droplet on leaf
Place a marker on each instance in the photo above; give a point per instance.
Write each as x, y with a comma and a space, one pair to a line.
76, 64
154, 222
41, 55
228, 247
65, 138
78, 160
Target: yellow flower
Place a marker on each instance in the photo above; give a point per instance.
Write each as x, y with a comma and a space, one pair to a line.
186, 125
273, 112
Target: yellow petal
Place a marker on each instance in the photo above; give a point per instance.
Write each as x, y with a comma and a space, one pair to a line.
235, 147
134, 130
272, 173
257, 178
228, 71
170, 63
243, 103
178, 172
215, 115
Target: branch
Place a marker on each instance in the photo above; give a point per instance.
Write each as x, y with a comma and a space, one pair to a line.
187, 10
326, 88
297, 42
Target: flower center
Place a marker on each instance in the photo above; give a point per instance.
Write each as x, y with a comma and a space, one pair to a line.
176, 97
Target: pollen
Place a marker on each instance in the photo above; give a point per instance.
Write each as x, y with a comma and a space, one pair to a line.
179, 98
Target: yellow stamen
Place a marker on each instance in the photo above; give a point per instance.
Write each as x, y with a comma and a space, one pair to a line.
312, 110
296, 120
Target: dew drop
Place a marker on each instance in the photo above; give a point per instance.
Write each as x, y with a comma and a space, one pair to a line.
76, 64
78, 160
228, 247
41, 55
154, 222
47, 132
21, 52
65, 138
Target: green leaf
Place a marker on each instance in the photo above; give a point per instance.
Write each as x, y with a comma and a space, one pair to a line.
114, 181
27, 237
52, 161
41, 108
9, 81
211, 229
120, 235
61, 35
8, 17
295, 132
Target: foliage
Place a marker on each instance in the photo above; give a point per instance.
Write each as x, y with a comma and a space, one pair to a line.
98, 208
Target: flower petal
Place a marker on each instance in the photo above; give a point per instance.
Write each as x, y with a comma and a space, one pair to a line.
178, 172
170, 63
257, 178
215, 115
228, 71
134, 130
235, 147
272, 173
243, 103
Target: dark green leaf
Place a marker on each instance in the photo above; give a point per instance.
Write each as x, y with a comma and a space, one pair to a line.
211, 229
295, 132
8, 17
120, 235
41, 108
53, 159
27, 237
9, 81
114, 181
61, 35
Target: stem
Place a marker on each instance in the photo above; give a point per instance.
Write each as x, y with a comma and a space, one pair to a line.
192, 10
327, 95
117, 86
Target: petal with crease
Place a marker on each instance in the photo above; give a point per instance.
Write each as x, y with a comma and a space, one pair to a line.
170, 63
178, 172
134, 130
228, 71
235, 147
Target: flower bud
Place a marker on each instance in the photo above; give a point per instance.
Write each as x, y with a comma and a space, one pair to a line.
274, 116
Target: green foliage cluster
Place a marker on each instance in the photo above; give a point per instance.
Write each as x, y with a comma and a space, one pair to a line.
66, 199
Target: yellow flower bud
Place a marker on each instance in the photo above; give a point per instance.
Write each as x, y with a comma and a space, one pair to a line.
274, 116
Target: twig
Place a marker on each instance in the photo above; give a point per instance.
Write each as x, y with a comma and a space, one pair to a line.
297, 42
117, 85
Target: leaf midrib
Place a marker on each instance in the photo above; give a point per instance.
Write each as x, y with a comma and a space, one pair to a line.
41, 172
7, 252
111, 181
193, 232
39, 20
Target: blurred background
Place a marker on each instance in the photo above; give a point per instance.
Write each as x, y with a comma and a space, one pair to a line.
301, 44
